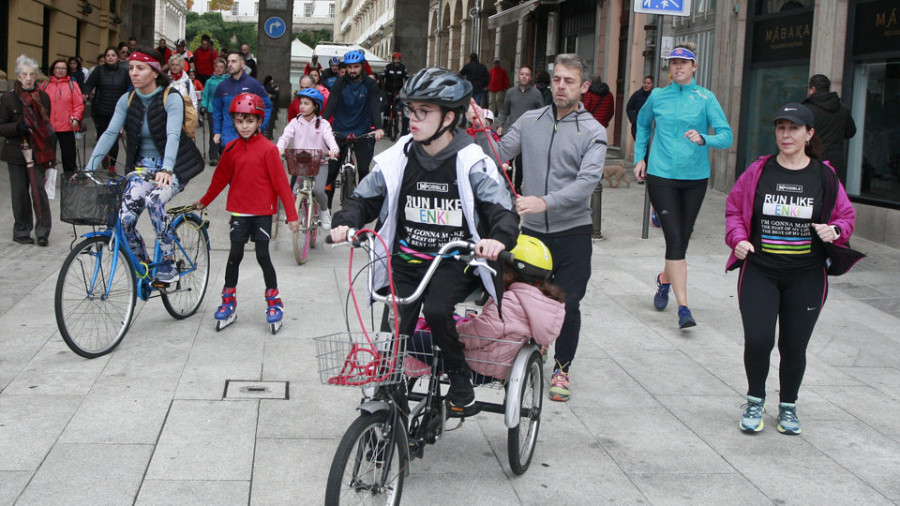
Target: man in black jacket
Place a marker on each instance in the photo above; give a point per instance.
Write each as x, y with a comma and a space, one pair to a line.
355, 104
478, 75
834, 124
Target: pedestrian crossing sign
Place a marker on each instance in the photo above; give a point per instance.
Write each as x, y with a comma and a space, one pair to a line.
665, 7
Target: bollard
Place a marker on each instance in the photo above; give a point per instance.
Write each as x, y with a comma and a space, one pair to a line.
596, 211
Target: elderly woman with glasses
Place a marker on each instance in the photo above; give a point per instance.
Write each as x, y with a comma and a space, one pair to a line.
25, 122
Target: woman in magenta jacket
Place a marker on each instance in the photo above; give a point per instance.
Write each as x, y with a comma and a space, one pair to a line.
66, 110
779, 215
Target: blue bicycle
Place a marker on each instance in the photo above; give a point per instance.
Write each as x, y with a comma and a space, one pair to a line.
101, 279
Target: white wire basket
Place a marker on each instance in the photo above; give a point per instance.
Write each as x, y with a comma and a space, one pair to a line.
357, 359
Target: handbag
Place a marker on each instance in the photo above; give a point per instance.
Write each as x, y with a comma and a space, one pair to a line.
839, 258
50, 183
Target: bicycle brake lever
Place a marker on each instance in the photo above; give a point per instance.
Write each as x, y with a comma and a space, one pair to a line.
478, 262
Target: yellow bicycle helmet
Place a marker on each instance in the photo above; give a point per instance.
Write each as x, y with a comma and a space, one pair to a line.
533, 258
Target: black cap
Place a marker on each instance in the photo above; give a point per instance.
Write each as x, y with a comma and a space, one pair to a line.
795, 113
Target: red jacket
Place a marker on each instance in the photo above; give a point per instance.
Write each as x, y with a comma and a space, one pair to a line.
66, 102
499, 79
257, 178
204, 60
739, 209
602, 108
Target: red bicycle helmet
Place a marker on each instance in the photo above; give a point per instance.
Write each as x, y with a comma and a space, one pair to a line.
396, 55
248, 103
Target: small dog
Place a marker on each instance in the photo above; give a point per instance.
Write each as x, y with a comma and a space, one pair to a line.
617, 172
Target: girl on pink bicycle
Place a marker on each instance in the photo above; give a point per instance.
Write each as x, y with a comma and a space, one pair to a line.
309, 131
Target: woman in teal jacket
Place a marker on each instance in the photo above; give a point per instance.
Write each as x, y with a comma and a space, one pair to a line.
678, 171
206, 106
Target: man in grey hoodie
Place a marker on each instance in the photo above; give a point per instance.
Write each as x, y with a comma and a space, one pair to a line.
563, 148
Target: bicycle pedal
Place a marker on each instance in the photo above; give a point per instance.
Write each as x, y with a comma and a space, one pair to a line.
463, 412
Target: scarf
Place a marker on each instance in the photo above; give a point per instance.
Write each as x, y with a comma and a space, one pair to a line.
42, 138
176, 77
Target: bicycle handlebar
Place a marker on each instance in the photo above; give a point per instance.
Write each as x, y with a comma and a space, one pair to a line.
353, 137
447, 250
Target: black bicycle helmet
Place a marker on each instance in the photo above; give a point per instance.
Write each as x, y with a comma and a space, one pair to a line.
437, 85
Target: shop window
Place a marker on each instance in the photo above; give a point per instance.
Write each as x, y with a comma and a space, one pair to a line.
873, 162
770, 88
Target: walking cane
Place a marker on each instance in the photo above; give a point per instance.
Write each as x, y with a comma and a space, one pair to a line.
32, 178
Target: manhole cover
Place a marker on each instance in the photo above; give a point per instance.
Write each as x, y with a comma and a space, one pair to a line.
240, 389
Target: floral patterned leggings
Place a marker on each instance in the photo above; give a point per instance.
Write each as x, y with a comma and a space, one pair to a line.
142, 194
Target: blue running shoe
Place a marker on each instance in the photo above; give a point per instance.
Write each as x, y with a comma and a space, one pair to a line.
661, 299
752, 421
787, 419
685, 319
654, 218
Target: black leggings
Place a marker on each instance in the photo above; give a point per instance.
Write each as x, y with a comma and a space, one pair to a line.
677, 203
364, 149
236, 255
795, 299
102, 123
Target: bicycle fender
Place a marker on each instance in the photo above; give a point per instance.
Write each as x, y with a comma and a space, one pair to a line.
514, 391
96, 233
373, 407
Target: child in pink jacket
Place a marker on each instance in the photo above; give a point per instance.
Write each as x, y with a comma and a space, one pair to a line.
309, 131
532, 308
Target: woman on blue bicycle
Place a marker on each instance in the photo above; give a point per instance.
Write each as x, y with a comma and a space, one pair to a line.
431, 187
159, 159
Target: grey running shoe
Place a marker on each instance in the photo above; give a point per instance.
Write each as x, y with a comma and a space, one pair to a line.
752, 421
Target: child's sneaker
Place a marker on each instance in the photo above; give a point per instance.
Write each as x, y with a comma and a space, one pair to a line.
325, 218
787, 419
685, 318
752, 421
461, 392
559, 386
661, 298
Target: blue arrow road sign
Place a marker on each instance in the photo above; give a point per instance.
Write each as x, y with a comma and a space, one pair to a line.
275, 27
666, 7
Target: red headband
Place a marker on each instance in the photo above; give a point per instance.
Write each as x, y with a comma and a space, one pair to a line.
145, 58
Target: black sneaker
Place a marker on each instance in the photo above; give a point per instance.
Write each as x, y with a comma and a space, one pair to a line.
461, 392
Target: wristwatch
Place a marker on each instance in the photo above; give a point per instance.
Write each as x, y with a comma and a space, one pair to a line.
837, 231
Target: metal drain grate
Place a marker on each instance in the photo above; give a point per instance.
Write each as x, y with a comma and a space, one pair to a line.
243, 390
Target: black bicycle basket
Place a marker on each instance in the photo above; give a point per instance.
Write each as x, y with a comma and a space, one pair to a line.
91, 198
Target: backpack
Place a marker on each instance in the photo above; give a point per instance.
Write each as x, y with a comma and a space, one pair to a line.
191, 118
47, 83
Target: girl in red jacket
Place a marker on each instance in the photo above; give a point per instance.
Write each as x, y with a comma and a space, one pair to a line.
252, 167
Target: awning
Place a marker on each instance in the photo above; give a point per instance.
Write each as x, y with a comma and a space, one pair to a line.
513, 14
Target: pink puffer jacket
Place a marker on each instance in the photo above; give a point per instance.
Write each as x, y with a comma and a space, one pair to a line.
527, 313
65, 102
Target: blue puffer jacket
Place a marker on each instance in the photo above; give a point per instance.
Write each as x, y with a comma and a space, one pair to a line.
225, 92
676, 109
